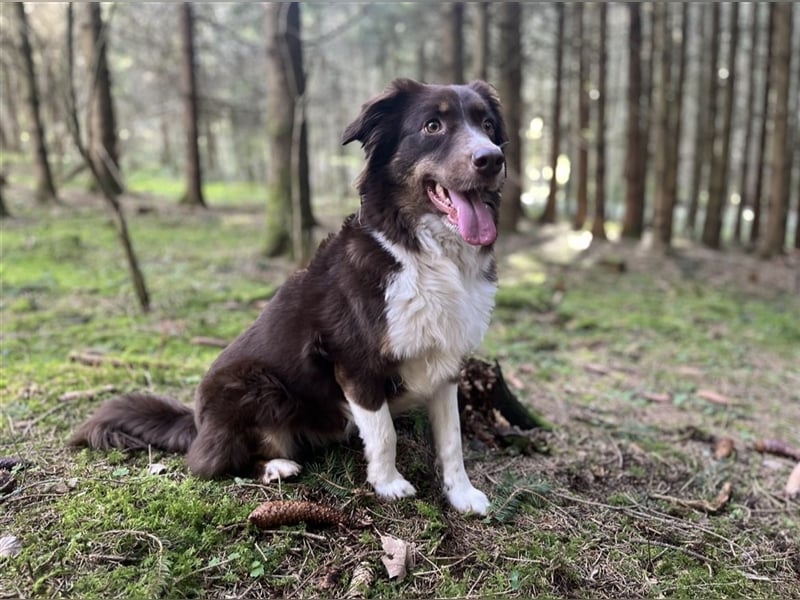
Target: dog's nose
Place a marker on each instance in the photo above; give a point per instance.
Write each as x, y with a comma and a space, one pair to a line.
488, 161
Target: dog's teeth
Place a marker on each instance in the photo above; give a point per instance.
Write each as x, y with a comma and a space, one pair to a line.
440, 191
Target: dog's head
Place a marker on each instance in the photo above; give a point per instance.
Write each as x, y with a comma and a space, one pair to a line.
434, 149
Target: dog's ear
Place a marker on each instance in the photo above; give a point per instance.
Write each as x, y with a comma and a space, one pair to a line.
378, 116
489, 93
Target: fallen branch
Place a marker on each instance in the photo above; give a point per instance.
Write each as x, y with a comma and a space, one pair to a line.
202, 340
705, 506
778, 448
95, 359
87, 394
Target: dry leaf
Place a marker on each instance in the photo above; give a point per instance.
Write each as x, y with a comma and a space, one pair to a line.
793, 483
277, 513
723, 448
714, 397
362, 579
157, 468
398, 556
777, 447
9, 546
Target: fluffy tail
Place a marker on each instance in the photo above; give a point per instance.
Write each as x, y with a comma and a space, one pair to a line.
136, 421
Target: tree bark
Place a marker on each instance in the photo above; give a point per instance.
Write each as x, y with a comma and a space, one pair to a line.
510, 90
9, 96
758, 187
775, 233
599, 222
45, 188
453, 42
744, 165
103, 146
664, 103
582, 167
720, 161
194, 174
482, 46
550, 213
633, 220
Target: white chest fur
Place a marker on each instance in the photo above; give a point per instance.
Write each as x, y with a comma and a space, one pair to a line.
438, 306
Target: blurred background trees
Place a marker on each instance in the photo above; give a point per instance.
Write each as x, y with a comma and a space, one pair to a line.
626, 118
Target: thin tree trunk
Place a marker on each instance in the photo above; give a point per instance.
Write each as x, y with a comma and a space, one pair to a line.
45, 188
775, 233
10, 98
582, 208
103, 146
510, 89
676, 122
661, 202
453, 42
599, 223
648, 84
482, 45
120, 222
744, 166
194, 175
755, 226
633, 220
550, 213
703, 126
720, 162
4, 212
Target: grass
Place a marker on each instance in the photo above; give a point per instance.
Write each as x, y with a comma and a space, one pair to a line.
581, 343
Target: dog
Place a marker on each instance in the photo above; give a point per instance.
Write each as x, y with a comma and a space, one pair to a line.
380, 320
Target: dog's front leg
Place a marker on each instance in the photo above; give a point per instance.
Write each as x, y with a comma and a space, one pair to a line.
380, 447
443, 411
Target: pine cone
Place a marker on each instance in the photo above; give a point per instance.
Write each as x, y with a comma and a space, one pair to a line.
277, 513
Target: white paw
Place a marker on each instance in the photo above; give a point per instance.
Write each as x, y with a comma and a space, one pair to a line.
280, 468
468, 499
394, 489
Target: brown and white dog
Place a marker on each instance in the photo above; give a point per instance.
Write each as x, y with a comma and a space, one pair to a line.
380, 321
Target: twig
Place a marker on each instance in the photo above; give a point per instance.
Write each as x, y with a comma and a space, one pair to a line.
202, 340
87, 394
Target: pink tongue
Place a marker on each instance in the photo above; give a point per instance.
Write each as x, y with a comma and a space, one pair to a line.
475, 222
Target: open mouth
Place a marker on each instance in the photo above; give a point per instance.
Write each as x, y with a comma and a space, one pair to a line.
467, 211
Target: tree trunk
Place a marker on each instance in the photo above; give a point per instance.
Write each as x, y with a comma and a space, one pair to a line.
676, 122
194, 174
510, 90
103, 146
550, 213
9, 95
482, 45
720, 162
704, 126
775, 233
744, 166
4, 212
661, 203
633, 221
599, 223
582, 208
648, 83
755, 226
288, 194
45, 188
453, 42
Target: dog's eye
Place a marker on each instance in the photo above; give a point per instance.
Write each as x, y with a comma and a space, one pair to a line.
433, 126
488, 126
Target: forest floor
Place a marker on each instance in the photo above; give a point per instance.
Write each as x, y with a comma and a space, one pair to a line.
641, 363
